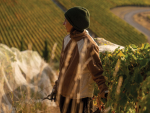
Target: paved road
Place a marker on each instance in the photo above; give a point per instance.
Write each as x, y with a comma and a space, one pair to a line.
129, 18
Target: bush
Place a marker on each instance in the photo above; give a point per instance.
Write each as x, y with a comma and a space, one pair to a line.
128, 75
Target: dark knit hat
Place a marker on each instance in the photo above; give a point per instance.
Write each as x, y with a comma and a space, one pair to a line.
78, 17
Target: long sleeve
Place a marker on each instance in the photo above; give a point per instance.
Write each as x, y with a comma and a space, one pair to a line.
95, 67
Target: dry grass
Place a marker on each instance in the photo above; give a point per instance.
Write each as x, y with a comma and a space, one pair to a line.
27, 103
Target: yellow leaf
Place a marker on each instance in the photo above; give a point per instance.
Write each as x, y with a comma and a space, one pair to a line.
121, 54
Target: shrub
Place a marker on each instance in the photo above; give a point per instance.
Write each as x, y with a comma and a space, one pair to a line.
128, 75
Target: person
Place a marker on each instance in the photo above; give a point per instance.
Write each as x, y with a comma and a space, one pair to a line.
77, 86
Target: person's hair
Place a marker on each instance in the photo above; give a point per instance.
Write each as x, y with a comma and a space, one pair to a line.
74, 29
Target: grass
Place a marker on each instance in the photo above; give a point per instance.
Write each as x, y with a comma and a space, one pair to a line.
21, 97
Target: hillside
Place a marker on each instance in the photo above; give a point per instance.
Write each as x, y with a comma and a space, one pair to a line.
37, 20
32, 20
107, 25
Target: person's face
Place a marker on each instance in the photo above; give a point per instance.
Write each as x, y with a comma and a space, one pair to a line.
67, 25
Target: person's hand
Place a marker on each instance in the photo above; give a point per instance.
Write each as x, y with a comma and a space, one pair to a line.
51, 96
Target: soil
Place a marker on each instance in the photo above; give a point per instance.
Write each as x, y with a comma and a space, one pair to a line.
143, 19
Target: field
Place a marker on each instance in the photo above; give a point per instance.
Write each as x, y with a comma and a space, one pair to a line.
36, 20
107, 25
32, 20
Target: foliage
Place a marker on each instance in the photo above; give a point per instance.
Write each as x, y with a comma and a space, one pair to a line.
25, 105
132, 64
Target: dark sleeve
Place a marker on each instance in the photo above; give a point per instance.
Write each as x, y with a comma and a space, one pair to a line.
95, 67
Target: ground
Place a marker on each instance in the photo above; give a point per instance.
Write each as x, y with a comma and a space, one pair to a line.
53, 110
143, 19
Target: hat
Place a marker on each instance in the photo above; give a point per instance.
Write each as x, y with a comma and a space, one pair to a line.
78, 17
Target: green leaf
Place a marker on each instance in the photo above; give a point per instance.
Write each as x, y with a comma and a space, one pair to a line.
137, 76
133, 92
143, 62
146, 111
146, 46
127, 84
134, 57
148, 73
133, 46
140, 58
123, 100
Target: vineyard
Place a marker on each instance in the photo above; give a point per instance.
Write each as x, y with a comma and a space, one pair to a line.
107, 25
34, 21
128, 75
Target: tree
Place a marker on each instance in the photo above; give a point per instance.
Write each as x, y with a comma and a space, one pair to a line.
46, 51
22, 44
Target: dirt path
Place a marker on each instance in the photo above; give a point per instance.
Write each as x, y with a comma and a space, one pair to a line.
127, 14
